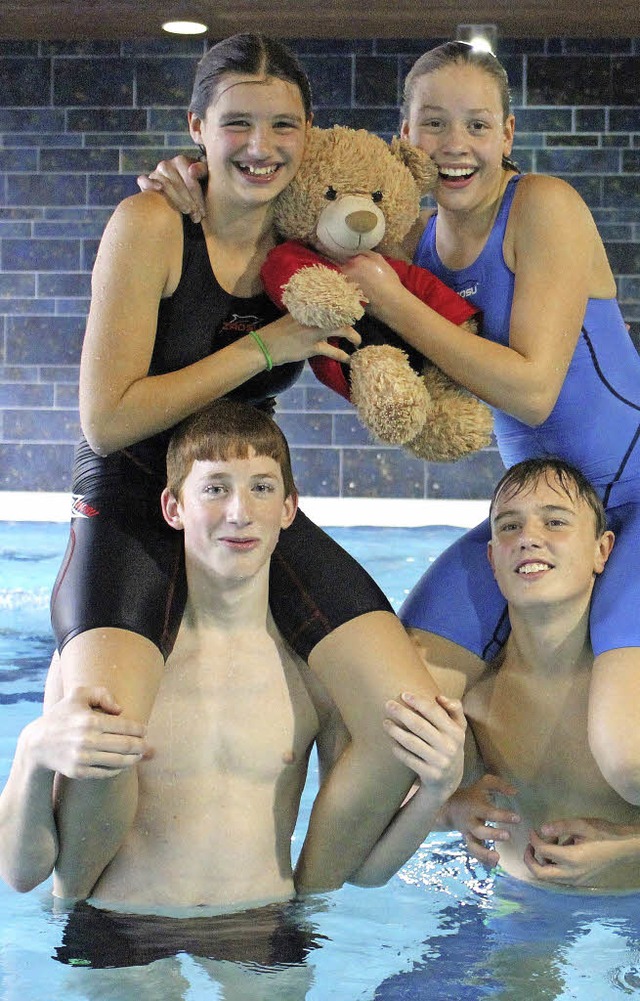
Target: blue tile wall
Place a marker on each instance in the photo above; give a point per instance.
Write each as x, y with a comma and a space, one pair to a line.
79, 121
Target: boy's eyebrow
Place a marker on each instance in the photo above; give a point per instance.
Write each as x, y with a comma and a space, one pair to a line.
545, 508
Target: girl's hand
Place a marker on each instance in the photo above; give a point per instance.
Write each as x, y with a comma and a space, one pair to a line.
287, 341
429, 738
472, 811
373, 275
585, 852
84, 735
179, 181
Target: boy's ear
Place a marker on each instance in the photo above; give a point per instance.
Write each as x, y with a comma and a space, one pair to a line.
290, 509
171, 510
195, 126
603, 550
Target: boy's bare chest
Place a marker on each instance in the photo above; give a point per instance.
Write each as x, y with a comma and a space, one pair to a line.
248, 719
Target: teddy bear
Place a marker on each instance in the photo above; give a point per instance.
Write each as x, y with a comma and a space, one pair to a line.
354, 192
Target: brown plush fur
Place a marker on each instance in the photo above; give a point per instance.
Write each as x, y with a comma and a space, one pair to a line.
428, 415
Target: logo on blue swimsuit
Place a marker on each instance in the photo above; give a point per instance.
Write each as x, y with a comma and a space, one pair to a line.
470, 288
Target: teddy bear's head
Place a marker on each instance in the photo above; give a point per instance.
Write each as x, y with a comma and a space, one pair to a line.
354, 192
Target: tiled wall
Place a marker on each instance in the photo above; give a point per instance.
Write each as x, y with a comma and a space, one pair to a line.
79, 121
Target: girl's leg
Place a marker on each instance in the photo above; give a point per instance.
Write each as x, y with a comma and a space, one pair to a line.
94, 815
614, 719
363, 663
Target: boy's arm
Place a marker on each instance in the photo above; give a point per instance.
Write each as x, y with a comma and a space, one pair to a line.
69, 738
429, 737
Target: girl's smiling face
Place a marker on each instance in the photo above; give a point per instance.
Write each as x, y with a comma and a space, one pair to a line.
456, 116
254, 135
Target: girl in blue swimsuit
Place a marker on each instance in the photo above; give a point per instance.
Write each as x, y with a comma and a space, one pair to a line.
555, 362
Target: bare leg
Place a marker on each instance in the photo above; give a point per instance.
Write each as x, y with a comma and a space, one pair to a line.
94, 815
452, 667
614, 719
362, 663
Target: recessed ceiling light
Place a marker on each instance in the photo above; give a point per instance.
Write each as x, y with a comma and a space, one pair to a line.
184, 27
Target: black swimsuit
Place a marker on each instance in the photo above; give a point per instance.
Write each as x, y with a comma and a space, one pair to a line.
124, 566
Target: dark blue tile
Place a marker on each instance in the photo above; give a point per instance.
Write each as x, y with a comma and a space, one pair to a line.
20, 373
410, 47
315, 46
15, 230
169, 120
40, 255
167, 82
624, 258
629, 288
109, 189
616, 140
44, 340
36, 467
24, 82
623, 191
24, 307
624, 119
321, 398
583, 139
66, 228
590, 119
381, 472
625, 80
316, 471
88, 253
65, 373
331, 79
16, 284
104, 140
74, 160
64, 284
543, 119
571, 161
631, 161
18, 159
293, 399
28, 120
569, 80
306, 429
26, 395
472, 478
66, 396
41, 425
600, 46
46, 189
143, 160
18, 48
383, 121
83, 47
93, 82
377, 81
176, 45
348, 431
73, 307
106, 120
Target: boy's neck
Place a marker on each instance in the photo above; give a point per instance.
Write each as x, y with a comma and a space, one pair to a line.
228, 605
550, 640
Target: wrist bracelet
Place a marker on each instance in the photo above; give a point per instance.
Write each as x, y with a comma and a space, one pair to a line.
263, 347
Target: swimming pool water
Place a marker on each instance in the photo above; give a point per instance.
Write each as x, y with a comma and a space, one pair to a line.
443, 929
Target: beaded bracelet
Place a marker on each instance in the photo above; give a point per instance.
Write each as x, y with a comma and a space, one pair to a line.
263, 347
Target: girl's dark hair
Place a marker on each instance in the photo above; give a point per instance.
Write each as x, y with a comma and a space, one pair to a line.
248, 53
559, 474
460, 52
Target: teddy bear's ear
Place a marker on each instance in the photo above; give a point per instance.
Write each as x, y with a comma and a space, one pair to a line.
419, 163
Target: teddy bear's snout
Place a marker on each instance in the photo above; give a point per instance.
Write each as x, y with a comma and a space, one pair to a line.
362, 221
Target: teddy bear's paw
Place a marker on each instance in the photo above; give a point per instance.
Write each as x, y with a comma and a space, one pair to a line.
391, 399
458, 425
320, 297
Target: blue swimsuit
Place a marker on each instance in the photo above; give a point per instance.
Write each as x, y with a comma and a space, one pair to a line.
595, 424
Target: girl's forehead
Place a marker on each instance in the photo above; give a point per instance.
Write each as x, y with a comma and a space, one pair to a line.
256, 89
457, 83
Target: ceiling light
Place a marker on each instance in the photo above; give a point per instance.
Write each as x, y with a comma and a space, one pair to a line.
184, 27
483, 37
